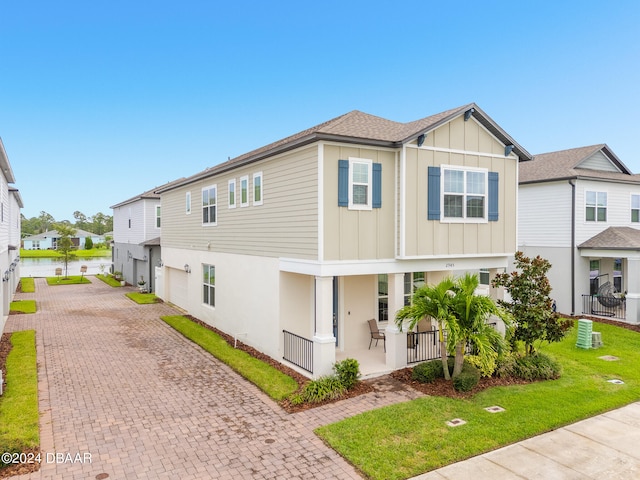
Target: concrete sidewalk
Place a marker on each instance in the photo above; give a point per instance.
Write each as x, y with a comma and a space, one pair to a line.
603, 447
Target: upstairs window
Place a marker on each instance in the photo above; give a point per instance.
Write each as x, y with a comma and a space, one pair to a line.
187, 202
635, 208
464, 194
359, 184
257, 188
232, 193
244, 191
596, 206
209, 205
158, 216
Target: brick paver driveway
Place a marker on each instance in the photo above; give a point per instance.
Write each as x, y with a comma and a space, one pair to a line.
121, 388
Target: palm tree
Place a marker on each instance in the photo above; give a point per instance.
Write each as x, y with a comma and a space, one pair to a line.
433, 301
471, 313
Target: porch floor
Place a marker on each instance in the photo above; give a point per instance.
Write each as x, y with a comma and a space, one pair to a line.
372, 362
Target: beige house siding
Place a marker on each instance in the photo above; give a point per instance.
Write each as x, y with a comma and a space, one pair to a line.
285, 225
466, 144
358, 234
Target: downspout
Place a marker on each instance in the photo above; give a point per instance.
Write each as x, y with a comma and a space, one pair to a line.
572, 182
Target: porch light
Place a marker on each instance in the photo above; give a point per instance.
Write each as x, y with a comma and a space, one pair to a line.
187, 268
421, 139
5, 277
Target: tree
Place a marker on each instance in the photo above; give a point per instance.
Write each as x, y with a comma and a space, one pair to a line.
81, 220
65, 246
431, 301
470, 327
462, 313
531, 305
46, 221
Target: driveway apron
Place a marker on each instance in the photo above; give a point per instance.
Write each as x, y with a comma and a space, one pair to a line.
122, 395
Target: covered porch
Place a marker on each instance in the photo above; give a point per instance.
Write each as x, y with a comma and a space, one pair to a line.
609, 274
342, 305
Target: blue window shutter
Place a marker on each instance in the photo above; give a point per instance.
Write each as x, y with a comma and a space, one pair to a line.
493, 196
433, 194
377, 185
343, 183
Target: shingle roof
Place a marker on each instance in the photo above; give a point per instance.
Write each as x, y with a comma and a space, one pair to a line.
150, 194
614, 238
54, 234
563, 165
362, 128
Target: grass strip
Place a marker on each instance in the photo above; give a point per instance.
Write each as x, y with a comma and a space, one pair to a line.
70, 280
143, 298
23, 306
27, 285
271, 381
109, 280
94, 252
19, 403
411, 438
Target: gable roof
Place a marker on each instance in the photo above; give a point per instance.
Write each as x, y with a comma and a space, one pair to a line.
614, 238
149, 194
568, 164
360, 128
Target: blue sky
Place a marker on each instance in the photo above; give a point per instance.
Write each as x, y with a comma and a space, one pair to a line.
102, 100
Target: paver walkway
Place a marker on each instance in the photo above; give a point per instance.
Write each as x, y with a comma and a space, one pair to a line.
119, 386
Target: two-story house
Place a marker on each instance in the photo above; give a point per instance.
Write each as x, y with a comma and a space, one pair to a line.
10, 205
580, 209
136, 238
293, 247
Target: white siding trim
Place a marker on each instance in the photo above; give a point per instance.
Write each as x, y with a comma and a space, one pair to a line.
403, 200
465, 152
321, 201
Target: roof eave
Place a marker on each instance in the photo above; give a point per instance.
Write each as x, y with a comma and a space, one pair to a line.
5, 165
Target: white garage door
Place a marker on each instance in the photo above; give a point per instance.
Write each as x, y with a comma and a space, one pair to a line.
178, 287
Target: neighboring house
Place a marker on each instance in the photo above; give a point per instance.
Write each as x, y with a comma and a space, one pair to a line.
293, 247
580, 209
49, 240
10, 205
136, 238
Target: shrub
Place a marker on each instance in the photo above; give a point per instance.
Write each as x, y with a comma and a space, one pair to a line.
88, 243
487, 366
467, 378
530, 367
427, 372
324, 388
348, 372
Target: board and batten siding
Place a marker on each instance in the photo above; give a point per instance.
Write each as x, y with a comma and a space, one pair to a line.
544, 214
358, 234
285, 225
466, 144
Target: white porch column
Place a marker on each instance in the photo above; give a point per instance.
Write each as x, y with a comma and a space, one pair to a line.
633, 290
495, 293
395, 339
324, 343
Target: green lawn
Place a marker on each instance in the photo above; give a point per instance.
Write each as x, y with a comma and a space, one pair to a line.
19, 404
143, 298
70, 280
23, 306
94, 252
411, 438
271, 381
27, 285
109, 280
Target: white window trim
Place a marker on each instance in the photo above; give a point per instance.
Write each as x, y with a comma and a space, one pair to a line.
187, 201
464, 218
253, 188
606, 207
209, 187
206, 304
369, 163
235, 193
631, 209
158, 216
244, 178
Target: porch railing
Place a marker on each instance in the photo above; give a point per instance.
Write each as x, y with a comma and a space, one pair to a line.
422, 346
604, 306
298, 350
